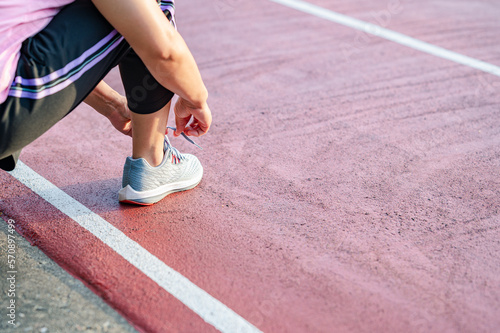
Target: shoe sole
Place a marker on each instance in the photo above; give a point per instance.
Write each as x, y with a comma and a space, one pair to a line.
147, 198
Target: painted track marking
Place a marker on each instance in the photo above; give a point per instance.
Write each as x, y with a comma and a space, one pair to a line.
393, 36
206, 306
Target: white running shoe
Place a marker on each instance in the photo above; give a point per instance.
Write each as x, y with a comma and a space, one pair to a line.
143, 184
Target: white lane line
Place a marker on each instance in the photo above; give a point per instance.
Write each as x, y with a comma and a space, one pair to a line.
206, 306
396, 37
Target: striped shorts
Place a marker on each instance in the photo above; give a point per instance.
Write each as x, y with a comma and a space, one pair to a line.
61, 65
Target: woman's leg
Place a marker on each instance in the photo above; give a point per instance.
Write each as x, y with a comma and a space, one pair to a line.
155, 169
148, 134
149, 102
150, 105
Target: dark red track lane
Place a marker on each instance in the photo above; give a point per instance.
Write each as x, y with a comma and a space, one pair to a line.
346, 194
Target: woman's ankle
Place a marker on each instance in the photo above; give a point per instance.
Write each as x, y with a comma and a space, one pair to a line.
154, 155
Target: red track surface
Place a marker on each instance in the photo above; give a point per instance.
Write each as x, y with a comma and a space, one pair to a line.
351, 184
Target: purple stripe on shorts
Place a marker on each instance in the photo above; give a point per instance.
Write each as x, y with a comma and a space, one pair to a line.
68, 68
65, 83
171, 9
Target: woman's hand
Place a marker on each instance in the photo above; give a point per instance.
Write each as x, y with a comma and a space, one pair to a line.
200, 117
120, 118
112, 105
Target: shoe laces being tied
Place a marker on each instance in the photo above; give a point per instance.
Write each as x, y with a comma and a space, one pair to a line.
177, 157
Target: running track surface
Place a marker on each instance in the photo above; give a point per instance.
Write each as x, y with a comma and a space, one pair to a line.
351, 184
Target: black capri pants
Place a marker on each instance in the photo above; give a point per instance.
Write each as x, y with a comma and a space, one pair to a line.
60, 66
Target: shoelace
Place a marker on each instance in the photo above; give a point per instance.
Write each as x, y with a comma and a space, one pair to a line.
186, 137
177, 157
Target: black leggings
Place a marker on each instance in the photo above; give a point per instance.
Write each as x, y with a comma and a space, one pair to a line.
60, 66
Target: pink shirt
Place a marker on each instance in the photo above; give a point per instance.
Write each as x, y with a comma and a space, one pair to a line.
20, 19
